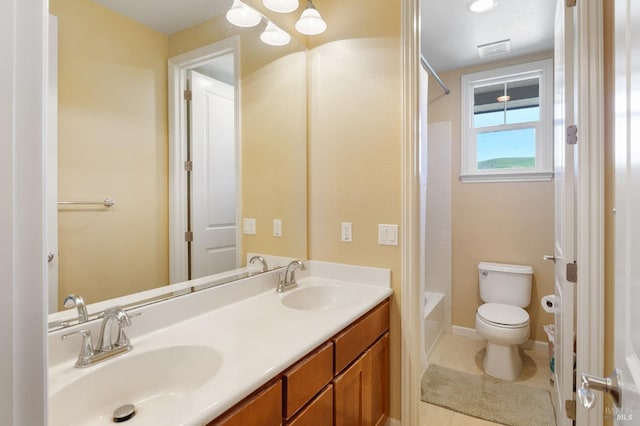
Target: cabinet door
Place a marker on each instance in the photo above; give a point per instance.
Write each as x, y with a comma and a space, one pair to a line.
264, 408
376, 383
349, 388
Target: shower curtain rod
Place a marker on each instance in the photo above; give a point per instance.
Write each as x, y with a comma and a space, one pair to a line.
435, 75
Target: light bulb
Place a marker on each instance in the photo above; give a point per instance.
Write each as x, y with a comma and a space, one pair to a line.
281, 6
242, 15
310, 22
274, 36
480, 6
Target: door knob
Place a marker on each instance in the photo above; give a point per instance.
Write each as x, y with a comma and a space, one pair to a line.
611, 385
549, 257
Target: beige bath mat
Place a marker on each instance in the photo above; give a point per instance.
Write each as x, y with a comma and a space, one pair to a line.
487, 398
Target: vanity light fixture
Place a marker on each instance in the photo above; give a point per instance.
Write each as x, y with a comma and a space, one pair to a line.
242, 15
481, 6
504, 98
281, 6
310, 22
274, 36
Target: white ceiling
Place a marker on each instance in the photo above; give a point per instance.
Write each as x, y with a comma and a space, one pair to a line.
450, 33
169, 16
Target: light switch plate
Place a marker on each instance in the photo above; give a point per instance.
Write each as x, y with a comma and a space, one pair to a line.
277, 227
249, 226
388, 235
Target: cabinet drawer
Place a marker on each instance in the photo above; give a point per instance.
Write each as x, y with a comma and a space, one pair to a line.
263, 408
352, 341
307, 378
318, 412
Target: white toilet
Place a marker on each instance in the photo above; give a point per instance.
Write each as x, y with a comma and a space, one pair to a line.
505, 289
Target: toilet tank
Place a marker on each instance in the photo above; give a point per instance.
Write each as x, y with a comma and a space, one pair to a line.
504, 283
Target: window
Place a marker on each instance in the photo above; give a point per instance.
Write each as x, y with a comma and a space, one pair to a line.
507, 129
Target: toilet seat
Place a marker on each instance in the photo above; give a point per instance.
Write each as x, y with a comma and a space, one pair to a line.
501, 315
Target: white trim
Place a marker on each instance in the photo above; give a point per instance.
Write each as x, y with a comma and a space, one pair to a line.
177, 69
543, 70
393, 422
590, 201
23, 305
411, 298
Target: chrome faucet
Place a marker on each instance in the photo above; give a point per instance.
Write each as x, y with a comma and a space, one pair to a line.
105, 348
76, 301
265, 267
289, 278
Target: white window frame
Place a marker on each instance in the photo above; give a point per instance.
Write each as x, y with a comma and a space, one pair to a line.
543, 170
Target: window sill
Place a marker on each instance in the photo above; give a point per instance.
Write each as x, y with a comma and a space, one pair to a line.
507, 177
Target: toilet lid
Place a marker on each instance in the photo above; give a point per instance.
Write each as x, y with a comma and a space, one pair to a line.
502, 314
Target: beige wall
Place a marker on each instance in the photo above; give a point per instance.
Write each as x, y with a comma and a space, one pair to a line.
355, 143
496, 222
273, 132
112, 134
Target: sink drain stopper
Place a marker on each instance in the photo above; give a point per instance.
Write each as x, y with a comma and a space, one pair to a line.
124, 413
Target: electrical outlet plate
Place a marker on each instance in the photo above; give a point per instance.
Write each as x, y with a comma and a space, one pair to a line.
346, 234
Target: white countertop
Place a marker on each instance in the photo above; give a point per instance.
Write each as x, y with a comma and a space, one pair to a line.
256, 337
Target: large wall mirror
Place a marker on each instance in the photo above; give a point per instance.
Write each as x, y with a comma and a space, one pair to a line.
122, 133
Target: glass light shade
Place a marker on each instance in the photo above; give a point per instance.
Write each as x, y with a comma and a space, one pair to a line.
274, 36
281, 6
242, 15
480, 6
310, 22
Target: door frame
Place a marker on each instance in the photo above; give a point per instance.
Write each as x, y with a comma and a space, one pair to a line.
177, 75
590, 205
590, 199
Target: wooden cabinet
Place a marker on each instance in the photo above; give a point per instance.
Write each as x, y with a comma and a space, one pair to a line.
263, 408
343, 382
306, 378
318, 413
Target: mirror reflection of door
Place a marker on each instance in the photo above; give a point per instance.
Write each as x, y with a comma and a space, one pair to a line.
213, 176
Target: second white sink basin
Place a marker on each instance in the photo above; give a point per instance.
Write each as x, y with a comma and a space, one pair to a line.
317, 298
152, 381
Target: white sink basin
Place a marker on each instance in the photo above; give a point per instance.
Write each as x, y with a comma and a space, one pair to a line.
318, 298
152, 381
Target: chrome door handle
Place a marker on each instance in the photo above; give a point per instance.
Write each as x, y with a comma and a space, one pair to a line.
611, 385
549, 257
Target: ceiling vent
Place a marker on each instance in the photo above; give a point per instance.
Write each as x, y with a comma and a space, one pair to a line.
496, 48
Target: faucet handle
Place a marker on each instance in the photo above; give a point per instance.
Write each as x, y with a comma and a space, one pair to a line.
123, 339
86, 350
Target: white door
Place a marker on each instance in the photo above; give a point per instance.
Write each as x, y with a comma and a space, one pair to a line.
564, 171
627, 204
213, 179
52, 168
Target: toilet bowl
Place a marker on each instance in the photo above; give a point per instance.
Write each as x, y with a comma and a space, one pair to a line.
504, 327
501, 320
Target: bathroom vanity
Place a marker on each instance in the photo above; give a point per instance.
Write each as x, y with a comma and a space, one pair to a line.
241, 354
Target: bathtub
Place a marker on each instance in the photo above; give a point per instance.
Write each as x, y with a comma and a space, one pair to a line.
434, 311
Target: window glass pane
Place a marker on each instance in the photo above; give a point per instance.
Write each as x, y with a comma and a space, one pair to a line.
523, 101
507, 149
487, 110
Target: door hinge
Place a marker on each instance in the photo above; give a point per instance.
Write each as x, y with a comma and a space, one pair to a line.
188, 236
572, 272
187, 95
572, 135
570, 408
188, 165
571, 3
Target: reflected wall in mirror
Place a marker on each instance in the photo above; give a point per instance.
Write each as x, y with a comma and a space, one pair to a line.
113, 140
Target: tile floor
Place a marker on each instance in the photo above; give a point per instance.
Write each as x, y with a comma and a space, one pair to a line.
466, 354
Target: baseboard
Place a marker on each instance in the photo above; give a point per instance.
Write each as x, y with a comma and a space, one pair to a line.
393, 422
534, 345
